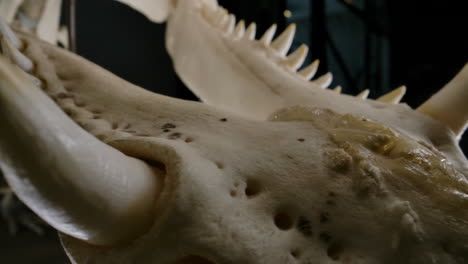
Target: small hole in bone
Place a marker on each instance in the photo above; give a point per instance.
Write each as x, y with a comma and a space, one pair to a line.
325, 237
295, 253
300, 139
189, 140
168, 126
219, 165
223, 120
252, 189
283, 221
68, 111
115, 125
304, 226
334, 251
175, 135
233, 193
324, 217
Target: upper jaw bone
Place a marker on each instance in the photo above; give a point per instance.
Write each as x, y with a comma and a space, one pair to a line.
79, 185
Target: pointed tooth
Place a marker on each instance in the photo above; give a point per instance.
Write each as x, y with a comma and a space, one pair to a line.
283, 42
15, 55
209, 13
222, 20
223, 17
6, 31
296, 59
240, 29
394, 96
364, 94
250, 32
219, 18
324, 81
449, 105
268, 35
310, 71
337, 89
228, 28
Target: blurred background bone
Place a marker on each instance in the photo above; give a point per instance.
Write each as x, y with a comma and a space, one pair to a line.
38, 17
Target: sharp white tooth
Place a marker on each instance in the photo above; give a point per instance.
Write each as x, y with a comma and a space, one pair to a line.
449, 105
268, 35
364, 94
240, 29
223, 17
250, 32
230, 24
324, 81
310, 71
15, 55
7, 33
393, 97
296, 59
217, 18
283, 42
337, 89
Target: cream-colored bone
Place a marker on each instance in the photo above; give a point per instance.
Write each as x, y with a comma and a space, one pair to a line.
393, 97
236, 190
309, 72
296, 58
8, 9
284, 41
7, 33
39, 17
364, 94
267, 37
251, 31
251, 79
69, 178
338, 89
449, 105
49, 22
324, 81
239, 31
365, 182
11, 52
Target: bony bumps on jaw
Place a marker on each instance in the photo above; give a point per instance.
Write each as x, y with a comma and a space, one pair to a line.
307, 176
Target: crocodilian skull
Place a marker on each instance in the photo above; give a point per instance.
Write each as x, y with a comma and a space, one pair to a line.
128, 176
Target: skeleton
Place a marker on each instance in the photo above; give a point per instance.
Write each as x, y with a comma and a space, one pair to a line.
277, 170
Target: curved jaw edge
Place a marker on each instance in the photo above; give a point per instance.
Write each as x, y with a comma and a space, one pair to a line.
79, 185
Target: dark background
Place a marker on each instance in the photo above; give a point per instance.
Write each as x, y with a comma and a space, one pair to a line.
374, 44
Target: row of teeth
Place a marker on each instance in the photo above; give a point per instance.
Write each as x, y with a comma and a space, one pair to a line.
11, 45
226, 23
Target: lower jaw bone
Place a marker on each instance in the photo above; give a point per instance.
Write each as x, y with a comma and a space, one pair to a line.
79, 185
